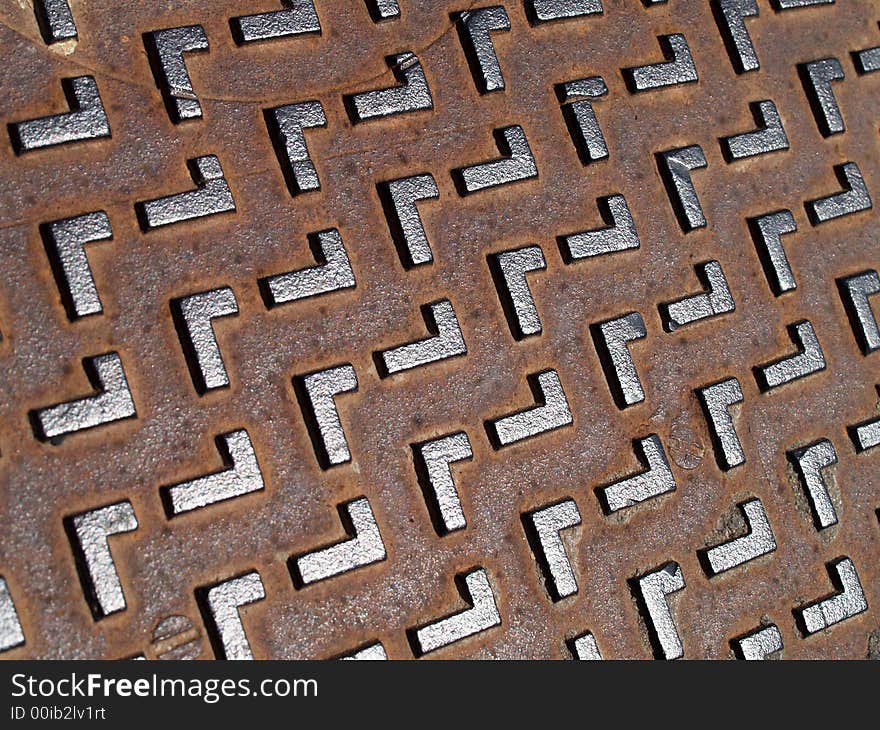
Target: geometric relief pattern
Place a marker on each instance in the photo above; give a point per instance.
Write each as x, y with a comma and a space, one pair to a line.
404, 341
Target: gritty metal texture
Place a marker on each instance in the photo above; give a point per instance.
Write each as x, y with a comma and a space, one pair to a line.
433, 329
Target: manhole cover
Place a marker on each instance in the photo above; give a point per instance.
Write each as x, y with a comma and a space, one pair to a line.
431, 329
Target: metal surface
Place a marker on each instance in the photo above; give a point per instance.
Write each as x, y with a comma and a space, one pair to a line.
663, 270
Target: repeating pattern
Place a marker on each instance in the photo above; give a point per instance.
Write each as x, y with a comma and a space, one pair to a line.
540, 566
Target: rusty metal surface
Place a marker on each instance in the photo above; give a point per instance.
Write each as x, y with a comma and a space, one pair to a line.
163, 563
